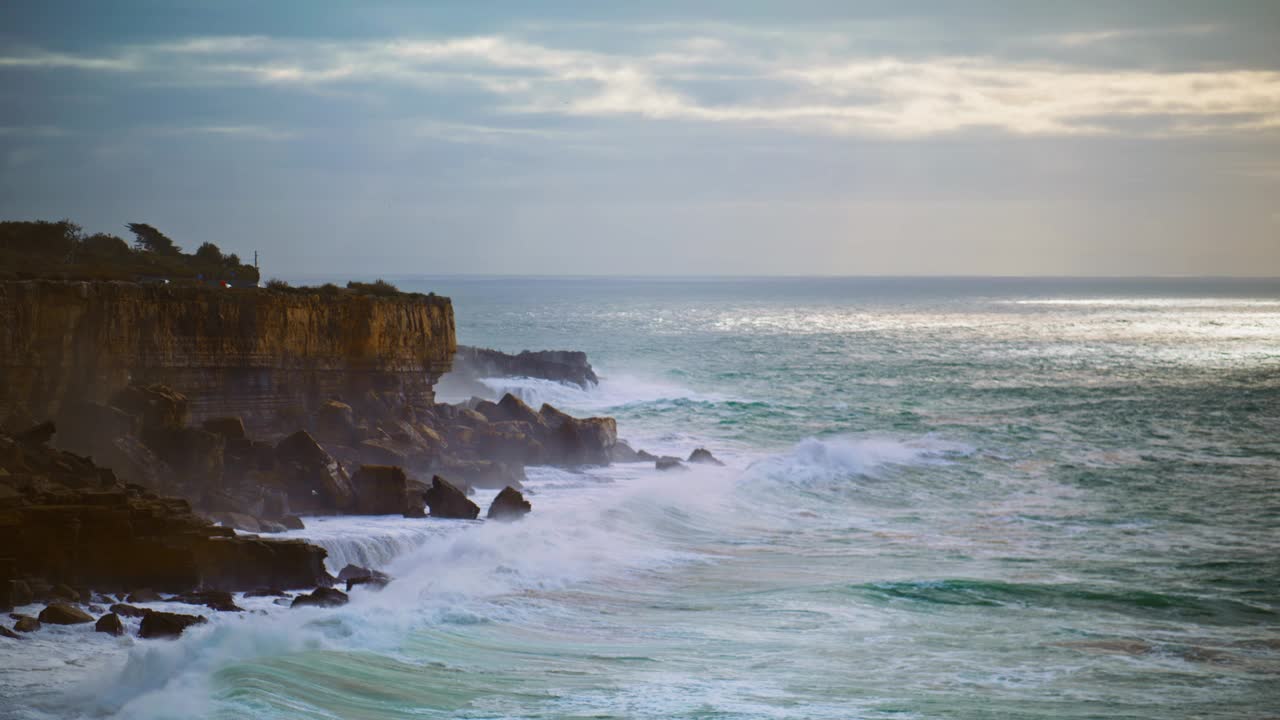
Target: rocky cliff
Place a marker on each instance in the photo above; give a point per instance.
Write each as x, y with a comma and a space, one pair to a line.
252, 353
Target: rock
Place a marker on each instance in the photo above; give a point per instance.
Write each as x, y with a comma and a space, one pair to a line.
157, 406
238, 521
373, 582
379, 490
482, 473
38, 435
6, 632
292, 522
20, 592
704, 456
563, 366
219, 600
230, 428
63, 592
624, 453
26, 624
447, 501
578, 441
195, 455
64, 614
321, 597
317, 482
513, 408
144, 595
335, 422
267, 526
156, 624
267, 592
381, 452
354, 575
128, 610
509, 505
666, 462
110, 624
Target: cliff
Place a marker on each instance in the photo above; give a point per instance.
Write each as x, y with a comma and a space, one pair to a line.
252, 353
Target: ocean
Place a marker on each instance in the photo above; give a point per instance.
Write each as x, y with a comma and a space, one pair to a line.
942, 498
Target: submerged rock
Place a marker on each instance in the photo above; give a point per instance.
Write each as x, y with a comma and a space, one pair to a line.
109, 624
509, 505
447, 501
64, 614
6, 632
26, 624
666, 462
219, 600
156, 624
704, 456
321, 597
128, 610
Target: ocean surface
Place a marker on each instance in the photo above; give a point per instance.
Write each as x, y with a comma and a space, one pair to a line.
948, 498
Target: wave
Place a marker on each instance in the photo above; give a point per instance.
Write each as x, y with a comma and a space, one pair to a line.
614, 391
824, 463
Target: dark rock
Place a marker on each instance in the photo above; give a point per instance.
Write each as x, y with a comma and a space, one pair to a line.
578, 441
238, 521
335, 422
195, 455
509, 505
317, 481
219, 600
64, 592
373, 582
230, 428
95, 609
381, 452
144, 595
64, 614
292, 522
379, 490
37, 436
704, 456
666, 462
321, 597
267, 592
353, 571
6, 632
447, 501
157, 406
26, 623
624, 453
128, 610
156, 624
20, 592
355, 575
471, 363
110, 624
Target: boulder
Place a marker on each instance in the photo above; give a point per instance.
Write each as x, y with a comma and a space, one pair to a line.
447, 501
381, 452
26, 623
38, 435
65, 592
624, 453
317, 481
219, 600
666, 462
509, 505
195, 455
354, 575
292, 522
578, 441
321, 597
156, 624
157, 406
64, 614
230, 428
379, 490
335, 422
144, 595
6, 632
109, 624
128, 610
704, 456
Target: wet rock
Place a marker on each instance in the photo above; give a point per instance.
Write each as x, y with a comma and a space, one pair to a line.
144, 595
26, 624
38, 435
238, 521
63, 592
704, 456
219, 600
666, 462
6, 632
156, 624
563, 366
316, 480
267, 592
335, 422
447, 501
292, 522
622, 452
578, 441
124, 610
379, 490
321, 597
64, 614
110, 624
509, 505
355, 575
158, 406
20, 592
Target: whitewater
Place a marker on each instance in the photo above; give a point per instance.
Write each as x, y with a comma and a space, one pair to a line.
940, 499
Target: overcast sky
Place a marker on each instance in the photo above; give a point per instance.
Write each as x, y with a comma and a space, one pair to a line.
997, 138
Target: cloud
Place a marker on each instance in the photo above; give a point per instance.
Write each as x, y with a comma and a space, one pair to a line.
255, 132
761, 81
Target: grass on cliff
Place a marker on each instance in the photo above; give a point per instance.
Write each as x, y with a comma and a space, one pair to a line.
377, 288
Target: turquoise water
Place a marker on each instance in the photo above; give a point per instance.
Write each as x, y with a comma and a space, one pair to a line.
942, 499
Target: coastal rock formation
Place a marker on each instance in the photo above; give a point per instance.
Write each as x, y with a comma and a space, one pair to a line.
64, 614
156, 624
321, 597
109, 624
447, 501
509, 505
703, 456
666, 462
379, 490
240, 352
563, 366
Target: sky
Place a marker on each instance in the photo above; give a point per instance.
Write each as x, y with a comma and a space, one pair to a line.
655, 138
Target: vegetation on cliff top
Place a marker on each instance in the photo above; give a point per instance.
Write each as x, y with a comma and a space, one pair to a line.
61, 250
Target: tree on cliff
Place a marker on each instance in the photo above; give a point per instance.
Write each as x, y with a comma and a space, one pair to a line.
152, 240
210, 253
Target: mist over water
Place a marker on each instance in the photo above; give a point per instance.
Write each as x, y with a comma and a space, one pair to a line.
943, 498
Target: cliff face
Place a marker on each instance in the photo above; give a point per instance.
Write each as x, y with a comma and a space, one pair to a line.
251, 353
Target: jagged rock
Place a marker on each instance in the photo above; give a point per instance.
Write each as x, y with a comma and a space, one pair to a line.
704, 456
157, 406
230, 428
381, 452
354, 575
267, 592
578, 441
373, 582
127, 610
624, 453
335, 422
238, 521
318, 482
6, 632
196, 455
321, 597
219, 600
110, 624
666, 462
144, 595
64, 614
508, 505
292, 522
380, 490
26, 624
471, 363
156, 624
447, 501
63, 592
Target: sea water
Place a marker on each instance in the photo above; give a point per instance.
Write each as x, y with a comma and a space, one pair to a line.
957, 498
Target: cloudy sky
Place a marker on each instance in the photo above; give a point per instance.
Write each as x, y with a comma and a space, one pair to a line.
743, 138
